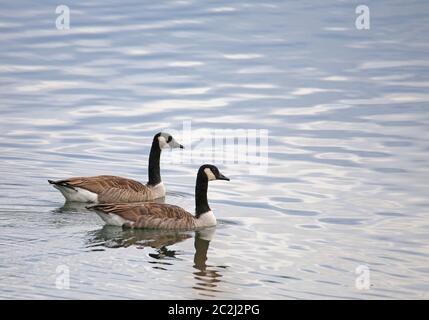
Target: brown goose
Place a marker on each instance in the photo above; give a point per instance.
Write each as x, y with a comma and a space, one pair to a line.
105, 189
153, 215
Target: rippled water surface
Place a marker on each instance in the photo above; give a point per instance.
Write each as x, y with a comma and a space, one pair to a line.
348, 166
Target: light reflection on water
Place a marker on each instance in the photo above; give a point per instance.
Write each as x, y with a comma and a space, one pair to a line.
347, 117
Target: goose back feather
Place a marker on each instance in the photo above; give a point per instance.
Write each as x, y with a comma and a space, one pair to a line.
150, 215
109, 188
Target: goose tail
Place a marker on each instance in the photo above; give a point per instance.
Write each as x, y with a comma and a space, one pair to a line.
61, 183
91, 207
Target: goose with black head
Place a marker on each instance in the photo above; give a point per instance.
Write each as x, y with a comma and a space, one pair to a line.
109, 189
153, 215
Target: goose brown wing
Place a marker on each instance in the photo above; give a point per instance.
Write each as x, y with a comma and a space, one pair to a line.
151, 215
128, 211
110, 188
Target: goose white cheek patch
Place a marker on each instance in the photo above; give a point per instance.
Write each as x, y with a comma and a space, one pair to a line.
209, 174
162, 142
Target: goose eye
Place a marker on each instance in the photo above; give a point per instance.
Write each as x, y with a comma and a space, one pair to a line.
169, 139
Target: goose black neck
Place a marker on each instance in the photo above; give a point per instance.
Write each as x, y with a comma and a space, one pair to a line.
154, 172
200, 257
201, 204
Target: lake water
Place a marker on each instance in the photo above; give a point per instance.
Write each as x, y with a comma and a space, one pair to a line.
345, 192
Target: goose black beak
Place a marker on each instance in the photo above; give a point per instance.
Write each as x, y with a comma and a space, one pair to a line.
181, 147
222, 177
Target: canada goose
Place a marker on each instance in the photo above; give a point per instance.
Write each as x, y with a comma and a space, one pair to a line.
164, 216
109, 189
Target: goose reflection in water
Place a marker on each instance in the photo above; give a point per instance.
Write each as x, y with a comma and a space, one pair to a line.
207, 277
114, 237
71, 207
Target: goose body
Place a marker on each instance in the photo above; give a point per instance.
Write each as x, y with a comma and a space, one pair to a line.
152, 215
104, 189
110, 189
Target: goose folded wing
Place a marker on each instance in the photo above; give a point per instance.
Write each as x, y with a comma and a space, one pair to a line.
151, 215
126, 211
110, 188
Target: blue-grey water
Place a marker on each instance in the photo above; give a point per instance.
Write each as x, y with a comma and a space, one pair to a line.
346, 187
